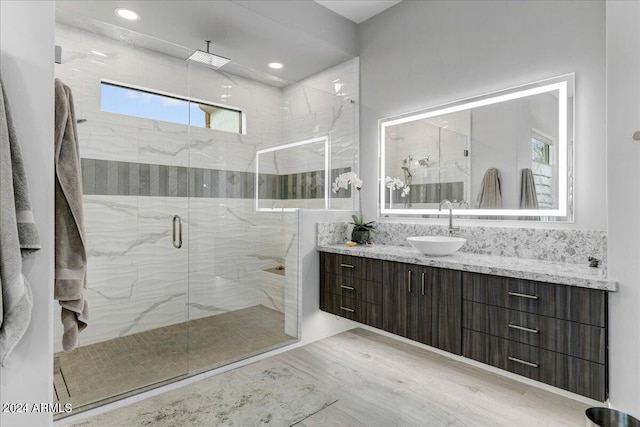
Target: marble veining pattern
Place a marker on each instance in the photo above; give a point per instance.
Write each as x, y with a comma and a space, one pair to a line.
141, 172
529, 269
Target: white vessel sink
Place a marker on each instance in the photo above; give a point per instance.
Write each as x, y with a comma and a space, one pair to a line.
436, 245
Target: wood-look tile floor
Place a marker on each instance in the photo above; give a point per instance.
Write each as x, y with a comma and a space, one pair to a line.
104, 370
380, 381
373, 380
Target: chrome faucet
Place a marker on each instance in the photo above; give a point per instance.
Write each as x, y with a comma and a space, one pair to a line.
452, 229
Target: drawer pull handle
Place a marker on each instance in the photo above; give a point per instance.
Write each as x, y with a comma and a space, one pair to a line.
410, 274
349, 288
516, 294
522, 328
524, 362
347, 266
422, 283
350, 310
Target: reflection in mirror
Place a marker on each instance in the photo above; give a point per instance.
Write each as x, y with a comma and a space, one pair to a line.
505, 154
293, 176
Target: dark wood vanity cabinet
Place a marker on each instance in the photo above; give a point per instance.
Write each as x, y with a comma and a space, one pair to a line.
556, 334
420, 303
551, 333
423, 304
351, 287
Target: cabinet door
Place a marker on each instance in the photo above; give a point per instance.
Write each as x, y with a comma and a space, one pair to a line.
441, 308
424, 304
398, 288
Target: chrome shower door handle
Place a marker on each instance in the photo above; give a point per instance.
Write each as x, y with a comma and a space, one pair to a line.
177, 240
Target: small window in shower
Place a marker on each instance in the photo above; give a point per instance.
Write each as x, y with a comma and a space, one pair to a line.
542, 160
540, 148
136, 102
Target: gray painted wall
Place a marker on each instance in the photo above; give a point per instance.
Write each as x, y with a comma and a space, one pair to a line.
623, 92
419, 54
26, 63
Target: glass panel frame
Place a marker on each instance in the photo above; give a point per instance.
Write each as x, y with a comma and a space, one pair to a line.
324, 140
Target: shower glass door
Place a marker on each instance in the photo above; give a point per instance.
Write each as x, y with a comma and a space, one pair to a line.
238, 277
135, 194
184, 273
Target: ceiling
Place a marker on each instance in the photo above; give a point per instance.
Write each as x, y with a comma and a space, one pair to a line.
304, 35
357, 10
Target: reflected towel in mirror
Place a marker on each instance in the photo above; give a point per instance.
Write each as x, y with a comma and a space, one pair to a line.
490, 194
528, 196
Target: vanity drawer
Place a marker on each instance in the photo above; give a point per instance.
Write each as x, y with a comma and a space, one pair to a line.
349, 308
562, 336
560, 370
363, 290
565, 302
351, 266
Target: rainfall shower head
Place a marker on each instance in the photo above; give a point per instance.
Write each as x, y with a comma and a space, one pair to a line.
207, 58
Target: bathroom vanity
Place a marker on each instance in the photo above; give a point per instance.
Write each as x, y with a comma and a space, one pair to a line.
543, 320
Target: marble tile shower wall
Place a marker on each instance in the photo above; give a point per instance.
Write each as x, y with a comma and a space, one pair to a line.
326, 104
558, 245
137, 280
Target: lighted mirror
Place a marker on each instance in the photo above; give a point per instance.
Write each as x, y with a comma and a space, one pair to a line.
293, 176
506, 155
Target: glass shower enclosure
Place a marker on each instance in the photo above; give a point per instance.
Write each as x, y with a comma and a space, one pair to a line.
184, 273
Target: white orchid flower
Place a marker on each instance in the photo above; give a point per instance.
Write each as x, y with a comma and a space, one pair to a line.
343, 181
396, 184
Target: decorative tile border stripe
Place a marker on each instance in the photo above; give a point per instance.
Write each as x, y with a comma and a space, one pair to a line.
113, 178
431, 193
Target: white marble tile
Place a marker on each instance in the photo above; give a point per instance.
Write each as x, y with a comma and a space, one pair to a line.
155, 214
113, 244
164, 147
272, 290
111, 282
226, 243
159, 279
108, 322
293, 285
221, 295
169, 74
107, 213
207, 150
158, 312
104, 141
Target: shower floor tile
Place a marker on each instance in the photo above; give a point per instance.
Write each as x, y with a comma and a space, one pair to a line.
114, 368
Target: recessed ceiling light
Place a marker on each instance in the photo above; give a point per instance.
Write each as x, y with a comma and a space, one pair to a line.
127, 14
275, 65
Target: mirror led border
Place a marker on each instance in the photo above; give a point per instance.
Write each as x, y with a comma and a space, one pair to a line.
323, 139
560, 84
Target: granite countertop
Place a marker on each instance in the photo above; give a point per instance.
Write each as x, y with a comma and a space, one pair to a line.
530, 269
